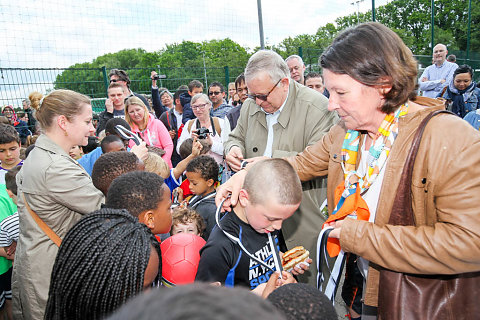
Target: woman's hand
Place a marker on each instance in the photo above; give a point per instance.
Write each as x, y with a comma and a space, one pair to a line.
337, 228
230, 188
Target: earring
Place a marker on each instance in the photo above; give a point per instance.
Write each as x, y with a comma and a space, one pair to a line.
66, 134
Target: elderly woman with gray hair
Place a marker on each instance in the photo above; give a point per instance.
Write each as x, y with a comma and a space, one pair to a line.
214, 129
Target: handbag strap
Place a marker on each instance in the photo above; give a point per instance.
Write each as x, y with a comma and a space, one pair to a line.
46, 229
402, 210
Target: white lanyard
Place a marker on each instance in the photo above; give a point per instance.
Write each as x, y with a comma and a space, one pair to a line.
239, 242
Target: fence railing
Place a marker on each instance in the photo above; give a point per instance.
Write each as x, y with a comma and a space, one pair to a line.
17, 83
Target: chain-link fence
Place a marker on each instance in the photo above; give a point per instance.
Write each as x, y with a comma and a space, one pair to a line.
94, 81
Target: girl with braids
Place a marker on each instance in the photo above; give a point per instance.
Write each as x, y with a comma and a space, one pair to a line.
105, 259
57, 190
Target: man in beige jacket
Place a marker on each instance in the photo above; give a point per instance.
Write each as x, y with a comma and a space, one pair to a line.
280, 119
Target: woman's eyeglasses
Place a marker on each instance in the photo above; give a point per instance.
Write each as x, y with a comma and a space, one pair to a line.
199, 106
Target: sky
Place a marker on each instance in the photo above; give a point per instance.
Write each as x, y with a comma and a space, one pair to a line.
60, 33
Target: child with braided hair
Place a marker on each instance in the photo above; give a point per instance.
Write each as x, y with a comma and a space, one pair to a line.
105, 259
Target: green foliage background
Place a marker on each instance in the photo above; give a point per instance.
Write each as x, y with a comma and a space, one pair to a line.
181, 62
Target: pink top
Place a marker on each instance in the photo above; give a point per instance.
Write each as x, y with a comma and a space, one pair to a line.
156, 134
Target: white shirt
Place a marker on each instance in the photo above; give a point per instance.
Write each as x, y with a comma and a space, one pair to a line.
371, 197
179, 117
271, 119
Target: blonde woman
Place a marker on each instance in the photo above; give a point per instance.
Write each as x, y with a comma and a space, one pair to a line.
151, 130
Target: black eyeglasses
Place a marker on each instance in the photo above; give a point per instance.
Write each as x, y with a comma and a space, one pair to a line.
216, 93
263, 97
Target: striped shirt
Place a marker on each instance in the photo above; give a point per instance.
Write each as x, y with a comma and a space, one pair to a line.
9, 230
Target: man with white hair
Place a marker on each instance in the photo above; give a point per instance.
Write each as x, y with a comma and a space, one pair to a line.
280, 118
297, 68
438, 75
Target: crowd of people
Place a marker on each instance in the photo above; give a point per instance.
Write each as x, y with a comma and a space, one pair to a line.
248, 167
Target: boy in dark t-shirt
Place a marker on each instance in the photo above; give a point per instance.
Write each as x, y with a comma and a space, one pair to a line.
271, 193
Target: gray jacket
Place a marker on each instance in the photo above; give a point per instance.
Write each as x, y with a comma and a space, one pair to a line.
60, 191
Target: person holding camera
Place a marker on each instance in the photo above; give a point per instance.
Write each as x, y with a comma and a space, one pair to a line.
214, 129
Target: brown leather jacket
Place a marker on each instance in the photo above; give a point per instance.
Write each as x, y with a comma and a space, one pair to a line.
446, 199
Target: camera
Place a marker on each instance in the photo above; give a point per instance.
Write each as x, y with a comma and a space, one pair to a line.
159, 76
202, 133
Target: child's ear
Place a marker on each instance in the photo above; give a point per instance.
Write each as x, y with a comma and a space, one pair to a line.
147, 219
210, 182
243, 197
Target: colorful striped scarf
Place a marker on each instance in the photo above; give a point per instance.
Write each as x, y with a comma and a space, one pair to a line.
348, 194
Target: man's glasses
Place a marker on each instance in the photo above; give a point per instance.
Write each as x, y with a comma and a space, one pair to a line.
116, 80
216, 93
199, 106
263, 97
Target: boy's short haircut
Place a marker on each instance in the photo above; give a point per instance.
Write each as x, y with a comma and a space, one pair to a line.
136, 191
217, 84
107, 140
111, 165
155, 164
10, 179
8, 134
110, 125
182, 215
302, 301
186, 147
194, 84
273, 178
91, 145
206, 166
114, 85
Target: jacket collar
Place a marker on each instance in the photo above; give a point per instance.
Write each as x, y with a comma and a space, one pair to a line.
47, 144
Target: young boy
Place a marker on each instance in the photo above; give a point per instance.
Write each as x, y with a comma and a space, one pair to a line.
186, 220
202, 172
112, 143
145, 196
194, 87
271, 193
9, 150
111, 165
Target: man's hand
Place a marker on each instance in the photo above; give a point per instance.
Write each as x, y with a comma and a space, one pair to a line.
140, 151
424, 79
109, 105
230, 188
234, 158
172, 133
154, 82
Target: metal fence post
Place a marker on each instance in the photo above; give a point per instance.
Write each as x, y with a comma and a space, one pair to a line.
300, 52
105, 79
227, 75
